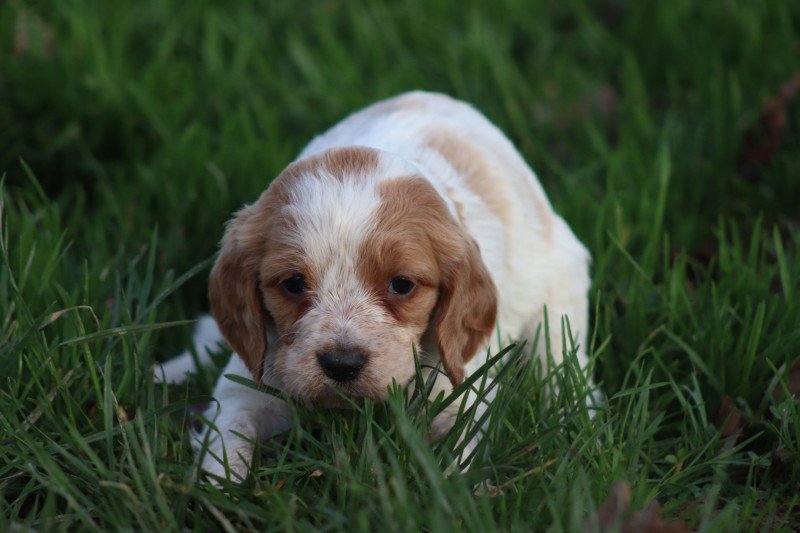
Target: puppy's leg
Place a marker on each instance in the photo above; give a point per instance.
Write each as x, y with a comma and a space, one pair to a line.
206, 338
240, 417
475, 401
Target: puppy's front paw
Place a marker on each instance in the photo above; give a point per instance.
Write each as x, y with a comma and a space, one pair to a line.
229, 457
232, 464
174, 370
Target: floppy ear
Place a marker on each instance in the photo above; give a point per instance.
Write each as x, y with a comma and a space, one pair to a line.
466, 313
235, 294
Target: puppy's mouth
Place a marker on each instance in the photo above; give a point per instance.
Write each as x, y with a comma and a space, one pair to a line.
342, 395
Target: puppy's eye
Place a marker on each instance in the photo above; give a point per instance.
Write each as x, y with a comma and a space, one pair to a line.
401, 286
294, 285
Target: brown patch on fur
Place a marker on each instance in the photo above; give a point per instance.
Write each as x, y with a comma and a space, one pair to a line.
399, 246
481, 176
477, 172
353, 161
257, 254
467, 312
234, 291
415, 236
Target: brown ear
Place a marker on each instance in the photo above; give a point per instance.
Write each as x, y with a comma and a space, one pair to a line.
235, 295
466, 313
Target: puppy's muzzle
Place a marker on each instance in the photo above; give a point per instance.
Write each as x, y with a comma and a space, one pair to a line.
342, 364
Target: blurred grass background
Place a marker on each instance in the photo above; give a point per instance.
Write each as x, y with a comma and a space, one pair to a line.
666, 133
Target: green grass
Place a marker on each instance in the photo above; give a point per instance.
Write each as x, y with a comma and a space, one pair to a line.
129, 134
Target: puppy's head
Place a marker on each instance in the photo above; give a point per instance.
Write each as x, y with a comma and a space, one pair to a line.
346, 260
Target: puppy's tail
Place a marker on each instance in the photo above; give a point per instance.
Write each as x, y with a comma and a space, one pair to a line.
206, 339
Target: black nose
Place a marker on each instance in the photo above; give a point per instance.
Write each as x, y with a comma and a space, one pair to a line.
341, 365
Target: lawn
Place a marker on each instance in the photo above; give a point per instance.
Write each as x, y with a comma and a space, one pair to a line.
666, 133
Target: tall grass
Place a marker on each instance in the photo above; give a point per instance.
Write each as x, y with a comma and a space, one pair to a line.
130, 132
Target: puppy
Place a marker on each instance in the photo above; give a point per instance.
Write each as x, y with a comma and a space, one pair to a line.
411, 223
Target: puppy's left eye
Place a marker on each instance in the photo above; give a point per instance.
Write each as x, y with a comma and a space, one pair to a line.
401, 286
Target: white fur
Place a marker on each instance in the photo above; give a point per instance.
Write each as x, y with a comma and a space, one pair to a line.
240, 410
531, 254
206, 338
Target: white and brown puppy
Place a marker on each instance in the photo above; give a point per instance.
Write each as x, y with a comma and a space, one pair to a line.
411, 223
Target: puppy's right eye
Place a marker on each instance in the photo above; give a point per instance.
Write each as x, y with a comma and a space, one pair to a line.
295, 285
401, 286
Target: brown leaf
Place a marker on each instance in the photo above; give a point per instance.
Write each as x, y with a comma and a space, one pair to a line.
21, 34
781, 455
31, 34
650, 521
728, 419
615, 506
762, 140
792, 379
613, 511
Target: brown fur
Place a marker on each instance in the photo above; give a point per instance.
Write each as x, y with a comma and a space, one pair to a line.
470, 163
416, 231
235, 293
481, 177
354, 161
